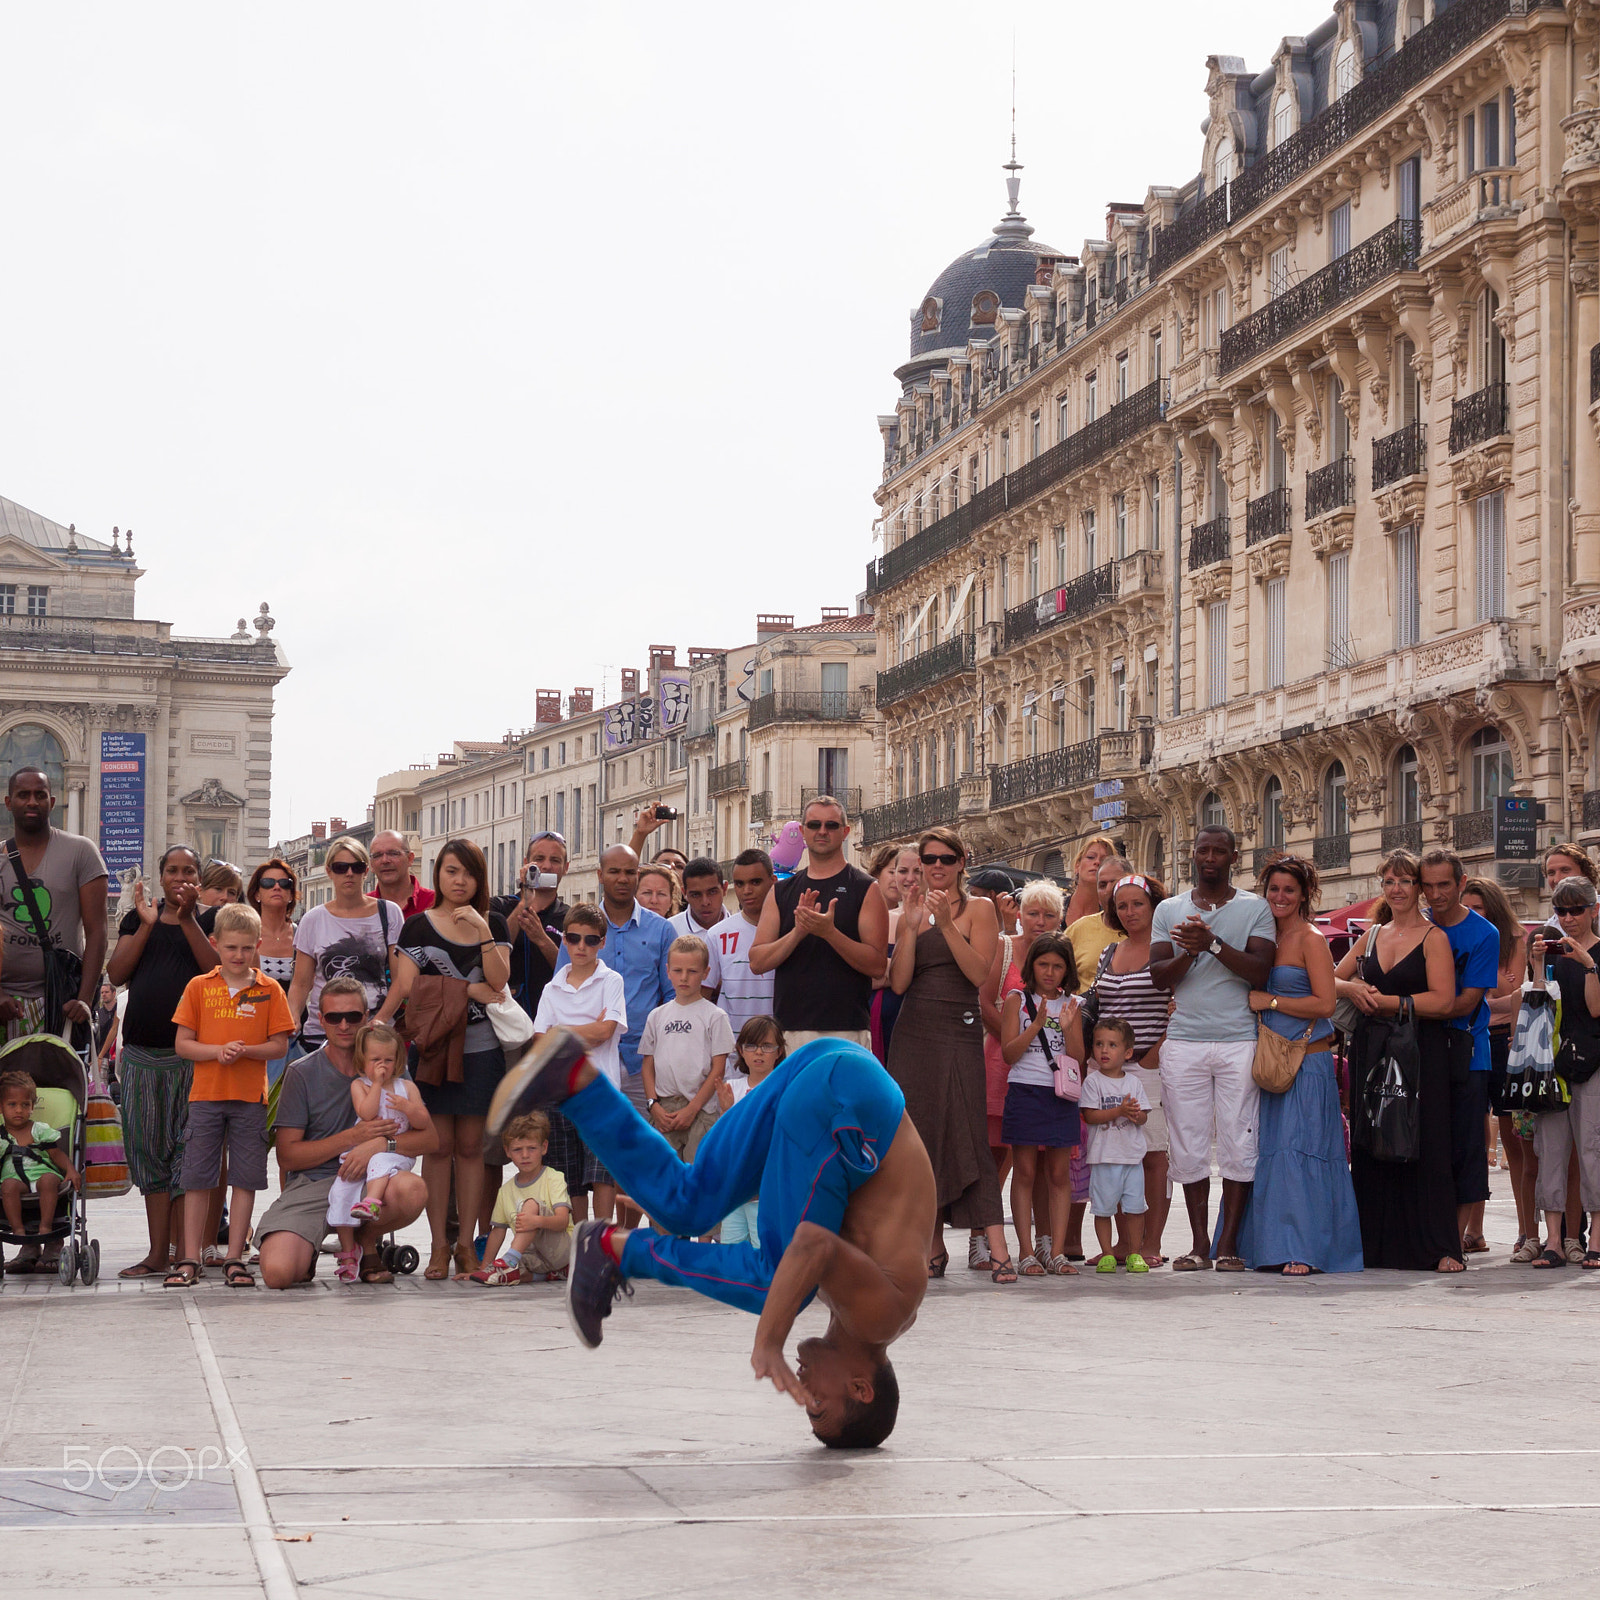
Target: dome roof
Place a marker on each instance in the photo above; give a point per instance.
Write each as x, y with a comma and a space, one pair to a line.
963, 300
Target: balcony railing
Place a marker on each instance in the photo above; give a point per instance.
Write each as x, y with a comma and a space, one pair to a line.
1591, 808
1332, 486
1265, 853
808, 705
1268, 515
1124, 421
1390, 250
1332, 850
905, 819
927, 668
849, 798
1472, 830
1386, 85
761, 806
1402, 454
725, 779
1402, 836
1084, 594
1124, 750
1068, 768
1479, 418
1208, 543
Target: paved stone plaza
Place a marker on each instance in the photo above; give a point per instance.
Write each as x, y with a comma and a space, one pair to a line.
1235, 1436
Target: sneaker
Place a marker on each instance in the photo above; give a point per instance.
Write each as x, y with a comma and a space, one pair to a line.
1137, 1263
538, 1081
594, 1282
1106, 1263
496, 1273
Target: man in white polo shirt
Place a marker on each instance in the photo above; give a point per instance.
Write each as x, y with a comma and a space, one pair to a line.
703, 889
743, 994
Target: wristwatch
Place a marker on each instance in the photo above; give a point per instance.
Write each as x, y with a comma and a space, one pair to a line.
648, 1104
1274, 1002
391, 1146
1215, 947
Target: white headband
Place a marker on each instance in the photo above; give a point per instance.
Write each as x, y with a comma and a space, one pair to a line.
1133, 878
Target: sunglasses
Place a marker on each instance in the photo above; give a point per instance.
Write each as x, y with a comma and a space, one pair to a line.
823, 827
1573, 911
276, 883
560, 838
348, 1019
588, 939
943, 861
342, 867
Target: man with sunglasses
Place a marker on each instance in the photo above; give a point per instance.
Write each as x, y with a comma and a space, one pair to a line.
318, 1137
824, 933
392, 859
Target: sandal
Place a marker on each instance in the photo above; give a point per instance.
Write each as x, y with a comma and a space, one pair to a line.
1230, 1264
347, 1264
1003, 1271
237, 1275
466, 1260
1295, 1269
1060, 1267
438, 1266
1591, 1260
366, 1210
977, 1253
1550, 1258
374, 1271
1527, 1250
183, 1276
1573, 1251
938, 1263
1155, 1261
1474, 1244
1192, 1263
1029, 1267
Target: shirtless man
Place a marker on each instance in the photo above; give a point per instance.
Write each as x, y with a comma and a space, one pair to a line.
847, 1204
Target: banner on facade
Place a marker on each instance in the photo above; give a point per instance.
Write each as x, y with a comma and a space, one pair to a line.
122, 758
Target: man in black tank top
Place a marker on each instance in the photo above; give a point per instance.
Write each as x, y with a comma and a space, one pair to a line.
825, 934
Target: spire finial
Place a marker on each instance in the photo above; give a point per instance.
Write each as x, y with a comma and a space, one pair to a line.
1013, 223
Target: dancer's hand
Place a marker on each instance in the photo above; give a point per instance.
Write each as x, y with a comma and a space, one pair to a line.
768, 1361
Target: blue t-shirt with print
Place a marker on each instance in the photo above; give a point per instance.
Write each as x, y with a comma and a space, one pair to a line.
1476, 948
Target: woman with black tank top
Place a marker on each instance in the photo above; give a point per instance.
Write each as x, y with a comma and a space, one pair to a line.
1407, 1208
943, 951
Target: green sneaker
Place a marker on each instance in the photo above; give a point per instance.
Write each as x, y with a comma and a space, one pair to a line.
1106, 1263
1136, 1263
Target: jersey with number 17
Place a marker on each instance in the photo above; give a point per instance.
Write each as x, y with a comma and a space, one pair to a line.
745, 994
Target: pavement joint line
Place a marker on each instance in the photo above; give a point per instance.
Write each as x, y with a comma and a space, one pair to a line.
277, 1581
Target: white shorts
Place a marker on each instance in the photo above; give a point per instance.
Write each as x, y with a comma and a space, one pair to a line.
1206, 1089
1114, 1187
346, 1191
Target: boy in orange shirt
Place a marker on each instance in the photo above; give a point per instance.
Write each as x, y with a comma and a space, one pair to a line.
231, 1023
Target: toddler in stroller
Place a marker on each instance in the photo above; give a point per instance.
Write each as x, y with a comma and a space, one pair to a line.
40, 1128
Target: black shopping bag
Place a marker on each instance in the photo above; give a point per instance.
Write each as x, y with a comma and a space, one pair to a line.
1388, 1078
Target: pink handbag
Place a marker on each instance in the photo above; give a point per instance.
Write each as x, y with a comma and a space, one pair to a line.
1067, 1074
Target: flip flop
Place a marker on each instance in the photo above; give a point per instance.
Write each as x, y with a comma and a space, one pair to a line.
1591, 1260
1550, 1258
140, 1269
1474, 1244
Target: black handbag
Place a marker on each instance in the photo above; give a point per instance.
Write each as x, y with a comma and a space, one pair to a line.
1577, 1061
63, 969
1388, 1076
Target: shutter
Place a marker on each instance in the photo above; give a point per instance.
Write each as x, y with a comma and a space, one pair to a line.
1339, 609
1491, 557
1217, 651
1275, 631
1339, 244
1409, 613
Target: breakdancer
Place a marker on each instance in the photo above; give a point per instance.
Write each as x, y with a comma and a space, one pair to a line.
846, 1207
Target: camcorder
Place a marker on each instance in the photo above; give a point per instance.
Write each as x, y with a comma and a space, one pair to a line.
533, 880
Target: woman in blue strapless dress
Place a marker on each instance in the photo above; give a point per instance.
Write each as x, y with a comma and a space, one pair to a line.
1301, 1216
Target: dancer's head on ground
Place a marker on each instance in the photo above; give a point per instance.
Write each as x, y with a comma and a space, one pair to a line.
855, 1394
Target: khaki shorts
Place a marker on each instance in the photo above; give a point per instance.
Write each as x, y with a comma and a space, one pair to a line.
687, 1140
793, 1039
301, 1209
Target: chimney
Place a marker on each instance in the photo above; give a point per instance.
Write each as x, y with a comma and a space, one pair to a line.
832, 613
700, 656
770, 624
630, 680
663, 657
337, 824
581, 701
546, 705
319, 831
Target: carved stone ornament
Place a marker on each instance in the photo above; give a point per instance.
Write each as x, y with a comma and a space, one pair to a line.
1581, 134
1334, 532
1585, 277
1212, 583
1269, 559
1482, 470
211, 793
1402, 504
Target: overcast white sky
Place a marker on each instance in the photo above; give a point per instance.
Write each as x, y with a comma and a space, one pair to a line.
491, 344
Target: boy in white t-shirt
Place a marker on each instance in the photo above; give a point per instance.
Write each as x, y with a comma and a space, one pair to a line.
744, 994
683, 1050
1114, 1109
586, 996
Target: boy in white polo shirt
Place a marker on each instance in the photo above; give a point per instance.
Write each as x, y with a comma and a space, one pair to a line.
743, 994
683, 1051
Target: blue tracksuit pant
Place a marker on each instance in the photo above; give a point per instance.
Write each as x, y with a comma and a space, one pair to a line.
803, 1141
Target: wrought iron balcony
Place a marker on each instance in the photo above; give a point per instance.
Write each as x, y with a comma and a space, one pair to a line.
928, 667
1390, 250
1402, 454
1402, 836
1208, 543
761, 806
1591, 808
702, 725
905, 819
850, 799
1268, 515
1124, 421
1263, 854
1332, 486
1124, 750
1472, 830
1479, 418
1084, 594
1332, 850
1386, 86
1068, 768
808, 705
725, 779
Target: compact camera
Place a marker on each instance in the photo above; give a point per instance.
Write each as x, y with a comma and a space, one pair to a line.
534, 879
666, 813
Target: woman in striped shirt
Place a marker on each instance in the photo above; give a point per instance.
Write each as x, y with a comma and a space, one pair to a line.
1123, 988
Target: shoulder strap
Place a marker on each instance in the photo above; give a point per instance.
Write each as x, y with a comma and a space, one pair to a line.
41, 931
1044, 1032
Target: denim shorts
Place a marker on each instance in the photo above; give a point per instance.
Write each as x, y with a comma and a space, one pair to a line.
1115, 1187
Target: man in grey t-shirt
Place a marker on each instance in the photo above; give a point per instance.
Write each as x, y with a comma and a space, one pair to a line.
1209, 948
318, 1136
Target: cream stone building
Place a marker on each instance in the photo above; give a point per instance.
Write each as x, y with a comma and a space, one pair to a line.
476, 792
562, 785
1279, 502
149, 737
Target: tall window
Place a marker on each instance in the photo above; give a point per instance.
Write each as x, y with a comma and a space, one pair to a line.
1058, 719
1408, 202
1278, 465
1122, 377
38, 599
8, 599
1339, 231
1062, 414
1213, 814
1119, 520
1277, 618
836, 688
1491, 343
1003, 583
1036, 430
1407, 790
1490, 516
833, 770
1091, 397
1282, 119
1338, 422
969, 745
1340, 653
1278, 272
1344, 70
1335, 813
1033, 568
1222, 164
1157, 370
1061, 553
1272, 814
1216, 652
1409, 387
1154, 500
1408, 588
1119, 697
1492, 773
1091, 711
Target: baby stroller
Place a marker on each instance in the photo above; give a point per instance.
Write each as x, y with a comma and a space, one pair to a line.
62, 1076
